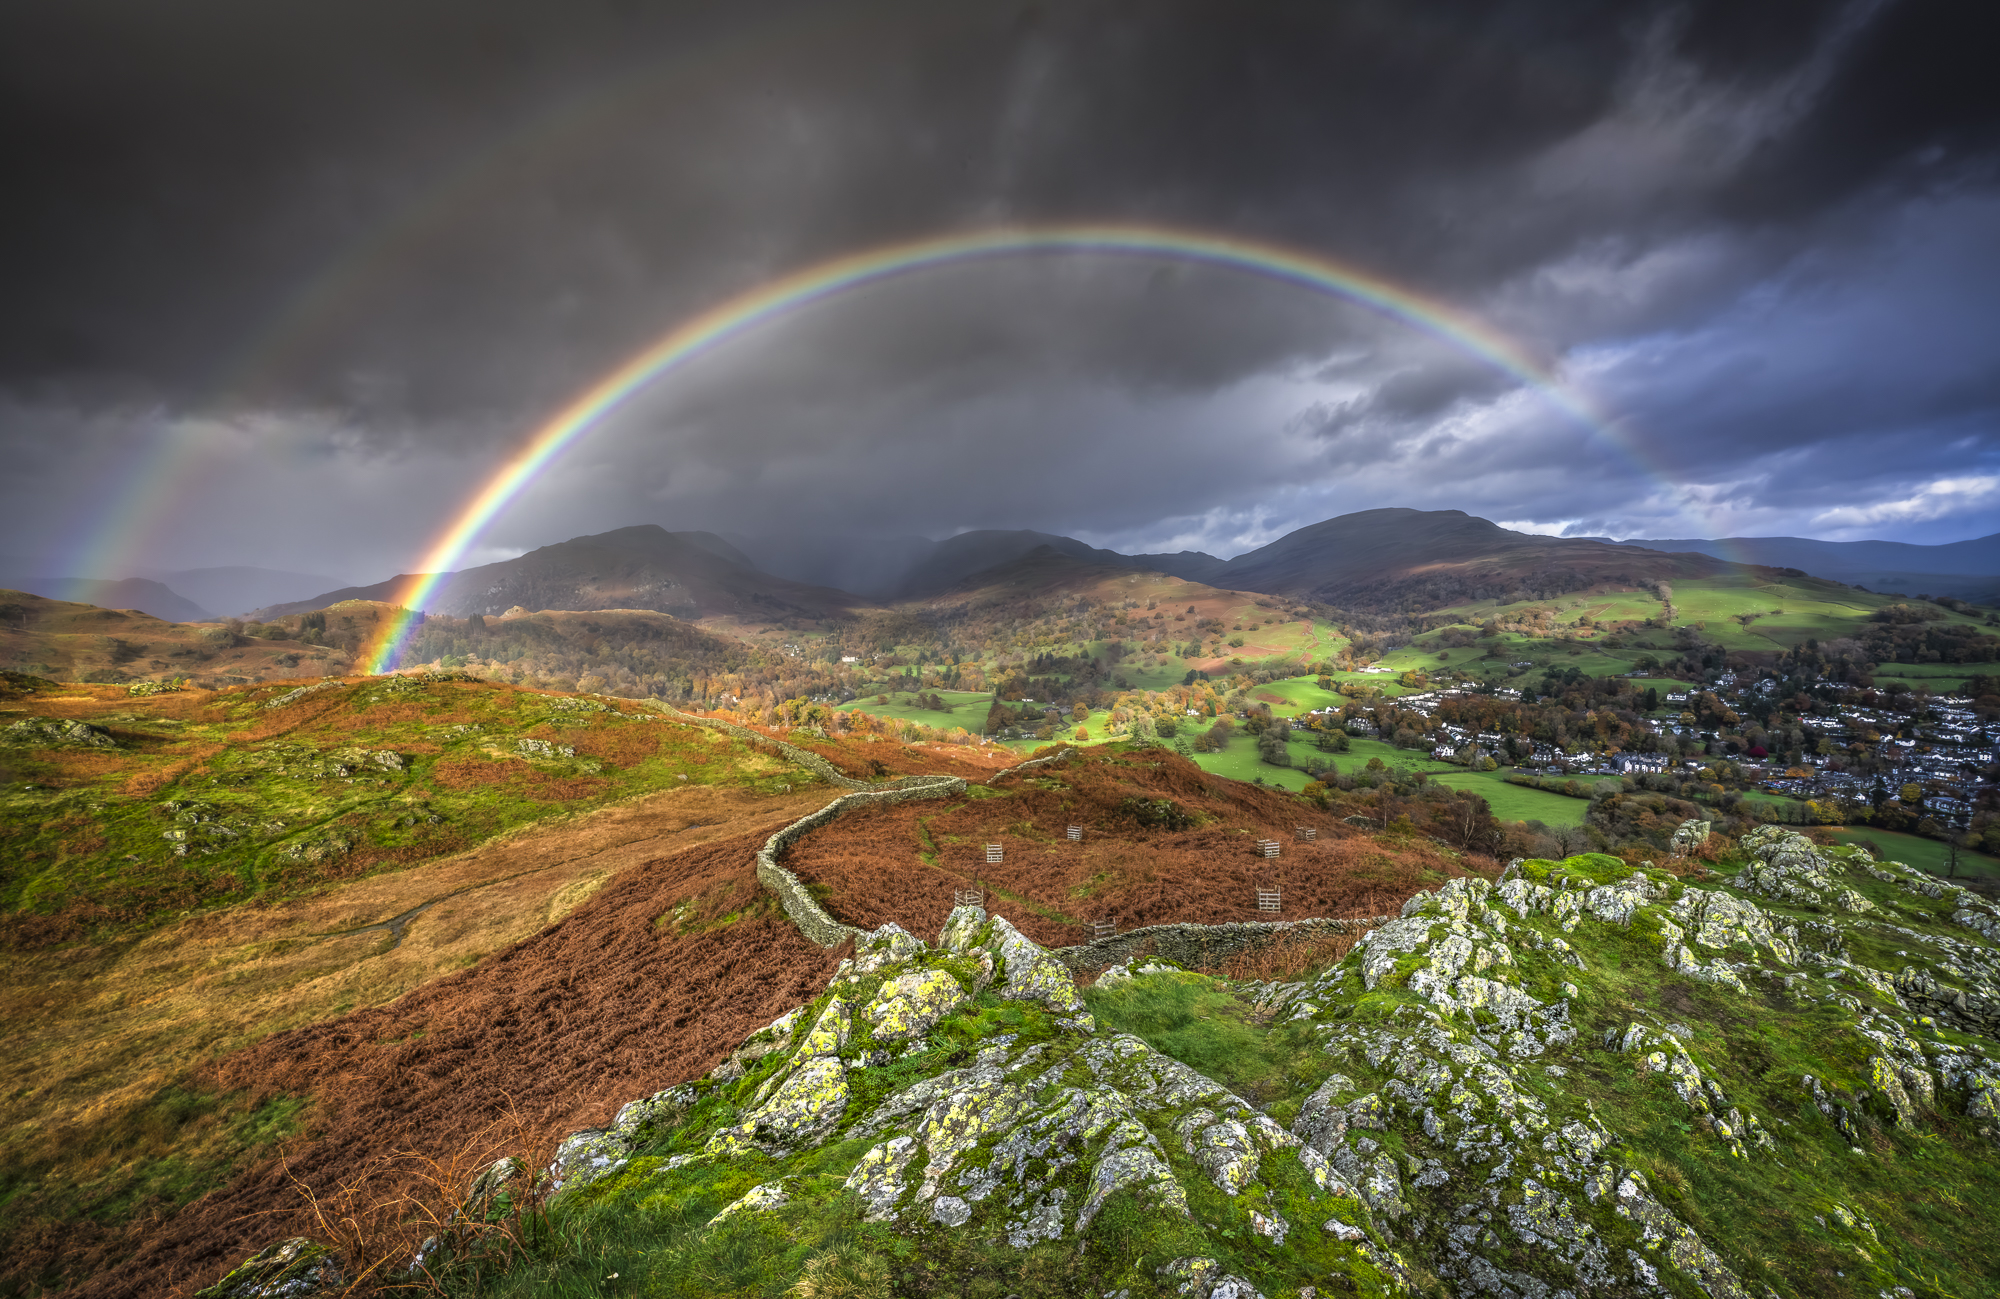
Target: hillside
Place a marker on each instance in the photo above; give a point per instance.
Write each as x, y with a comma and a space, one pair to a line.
959, 558
81, 642
1416, 560
1065, 613
185, 873
645, 567
915, 567
1582, 1077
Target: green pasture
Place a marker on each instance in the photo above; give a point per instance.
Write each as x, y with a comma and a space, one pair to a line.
1915, 850
1240, 762
968, 707
1938, 678
1738, 613
1300, 695
1516, 802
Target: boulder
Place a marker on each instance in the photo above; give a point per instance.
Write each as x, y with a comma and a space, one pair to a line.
299, 1268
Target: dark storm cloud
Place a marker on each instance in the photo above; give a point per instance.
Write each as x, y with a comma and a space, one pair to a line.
353, 253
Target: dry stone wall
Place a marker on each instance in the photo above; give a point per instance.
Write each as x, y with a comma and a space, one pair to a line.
799, 904
1200, 945
1193, 945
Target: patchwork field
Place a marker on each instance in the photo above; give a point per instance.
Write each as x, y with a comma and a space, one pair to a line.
1740, 614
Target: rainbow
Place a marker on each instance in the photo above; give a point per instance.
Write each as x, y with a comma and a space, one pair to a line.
748, 310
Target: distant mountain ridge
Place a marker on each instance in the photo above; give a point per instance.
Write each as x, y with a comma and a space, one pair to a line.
238, 588
1969, 569
1371, 560
1431, 558
143, 594
686, 575
187, 595
911, 568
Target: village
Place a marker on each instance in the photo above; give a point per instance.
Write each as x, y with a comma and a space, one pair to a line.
1858, 754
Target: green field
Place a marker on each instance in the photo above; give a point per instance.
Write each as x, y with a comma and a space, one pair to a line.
1517, 802
1240, 762
1781, 614
968, 708
1914, 850
1300, 695
1937, 677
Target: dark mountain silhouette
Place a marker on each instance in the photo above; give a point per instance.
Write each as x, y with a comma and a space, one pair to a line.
1194, 565
238, 587
915, 567
957, 558
644, 567
1418, 559
143, 594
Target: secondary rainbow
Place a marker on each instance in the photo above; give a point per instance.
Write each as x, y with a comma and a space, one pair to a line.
748, 310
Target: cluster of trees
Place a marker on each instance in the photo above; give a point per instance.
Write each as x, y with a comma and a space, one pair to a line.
1918, 640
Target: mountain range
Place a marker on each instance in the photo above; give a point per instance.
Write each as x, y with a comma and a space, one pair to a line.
690, 575
1372, 560
1386, 559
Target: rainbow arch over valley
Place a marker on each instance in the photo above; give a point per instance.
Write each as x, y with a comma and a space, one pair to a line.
816, 283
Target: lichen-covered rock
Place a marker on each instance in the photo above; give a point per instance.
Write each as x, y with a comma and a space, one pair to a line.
45, 732
299, 1268
880, 948
908, 1004
770, 1195
1026, 970
803, 1109
585, 1156
1682, 1247
1457, 1096
1790, 867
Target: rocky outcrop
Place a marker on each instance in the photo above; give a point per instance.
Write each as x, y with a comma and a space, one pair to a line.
298, 1268
1469, 1103
51, 733
1028, 1139
293, 696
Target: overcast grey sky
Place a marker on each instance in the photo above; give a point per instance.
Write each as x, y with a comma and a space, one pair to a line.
286, 281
